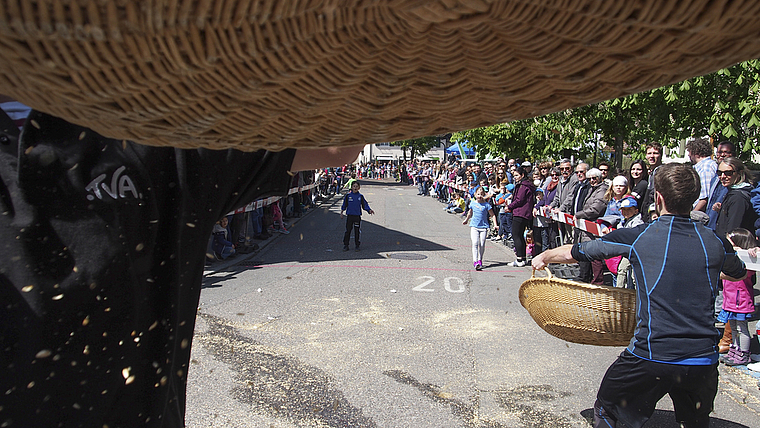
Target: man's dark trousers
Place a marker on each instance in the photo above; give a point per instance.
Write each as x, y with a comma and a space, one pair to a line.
352, 222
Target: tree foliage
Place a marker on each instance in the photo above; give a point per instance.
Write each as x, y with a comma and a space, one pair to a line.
418, 145
724, 105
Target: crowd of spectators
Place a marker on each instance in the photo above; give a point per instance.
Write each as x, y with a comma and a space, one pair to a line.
525, 196
728, 203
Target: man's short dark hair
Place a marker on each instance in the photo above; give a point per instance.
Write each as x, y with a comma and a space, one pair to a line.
700, 147
678, 183
654, 145
731, 146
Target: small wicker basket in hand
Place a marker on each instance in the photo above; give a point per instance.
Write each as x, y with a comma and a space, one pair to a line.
578, 312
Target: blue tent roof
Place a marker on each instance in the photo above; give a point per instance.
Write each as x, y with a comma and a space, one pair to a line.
455, 149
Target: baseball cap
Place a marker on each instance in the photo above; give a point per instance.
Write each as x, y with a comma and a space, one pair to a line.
629, 202
526, 163
510, 187
619, 181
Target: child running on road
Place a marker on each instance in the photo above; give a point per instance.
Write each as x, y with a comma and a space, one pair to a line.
353, 203
739, 304
478, 214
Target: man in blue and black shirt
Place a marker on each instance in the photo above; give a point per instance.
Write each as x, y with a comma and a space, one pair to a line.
353, 203
677, 263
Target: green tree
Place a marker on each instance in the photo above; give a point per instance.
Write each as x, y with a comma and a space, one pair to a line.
418, 145
724, 105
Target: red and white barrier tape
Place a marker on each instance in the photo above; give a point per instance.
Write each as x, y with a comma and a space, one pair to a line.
584, 225
272, 199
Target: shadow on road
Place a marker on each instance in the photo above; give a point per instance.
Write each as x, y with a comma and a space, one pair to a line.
318, 237
667, 419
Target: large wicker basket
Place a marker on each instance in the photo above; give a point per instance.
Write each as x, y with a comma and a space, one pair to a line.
252, 74
579, 312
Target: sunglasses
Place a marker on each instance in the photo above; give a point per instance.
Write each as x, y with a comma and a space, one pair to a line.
603, 169
726, 172
580, 172
555, 174
565, 168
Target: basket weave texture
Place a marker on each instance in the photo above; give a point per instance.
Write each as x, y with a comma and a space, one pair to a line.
579, 312
252, 74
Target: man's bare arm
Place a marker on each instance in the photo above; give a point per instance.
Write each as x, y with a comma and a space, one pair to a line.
555, 255
307, 159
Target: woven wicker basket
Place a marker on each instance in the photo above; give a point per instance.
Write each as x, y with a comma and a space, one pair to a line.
252, 74
579, 312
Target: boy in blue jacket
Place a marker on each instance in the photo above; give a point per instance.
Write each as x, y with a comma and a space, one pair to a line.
353, 203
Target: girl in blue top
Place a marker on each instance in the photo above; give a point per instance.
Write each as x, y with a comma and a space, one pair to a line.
477, 215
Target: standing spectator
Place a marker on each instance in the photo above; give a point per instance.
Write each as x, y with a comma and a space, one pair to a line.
528, 168
521, 208
700, 151
542, 178
673, 350
736, 209
540, 225
590, 208
604, 167
638, 179
549, 234
501, 201
477, 173
478, 214
725, 149
565, 186
654, 158
739, 303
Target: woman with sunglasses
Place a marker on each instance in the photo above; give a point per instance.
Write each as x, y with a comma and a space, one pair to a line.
736, 209
638, 179
521, 208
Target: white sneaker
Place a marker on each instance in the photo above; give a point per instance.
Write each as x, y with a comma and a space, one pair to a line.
755, 367
517, 263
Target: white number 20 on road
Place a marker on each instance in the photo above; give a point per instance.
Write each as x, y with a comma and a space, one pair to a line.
458, 283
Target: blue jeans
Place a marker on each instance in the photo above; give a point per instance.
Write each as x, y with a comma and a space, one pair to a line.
255, 218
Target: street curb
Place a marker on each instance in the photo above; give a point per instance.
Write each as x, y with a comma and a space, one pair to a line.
225, 264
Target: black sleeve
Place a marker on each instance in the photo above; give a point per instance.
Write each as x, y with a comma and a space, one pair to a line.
733, 266
616, 243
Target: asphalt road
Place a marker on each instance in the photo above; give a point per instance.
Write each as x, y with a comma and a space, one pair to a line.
404, 333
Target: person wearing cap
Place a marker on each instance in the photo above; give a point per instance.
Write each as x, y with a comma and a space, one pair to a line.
614, 196
632, 218
528, 168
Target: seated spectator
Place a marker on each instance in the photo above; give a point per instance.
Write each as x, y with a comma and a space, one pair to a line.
456, 205
222, 247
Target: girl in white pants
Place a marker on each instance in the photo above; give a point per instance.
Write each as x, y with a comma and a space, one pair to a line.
477, 216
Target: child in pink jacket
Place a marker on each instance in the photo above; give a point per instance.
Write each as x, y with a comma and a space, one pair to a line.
739, 304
